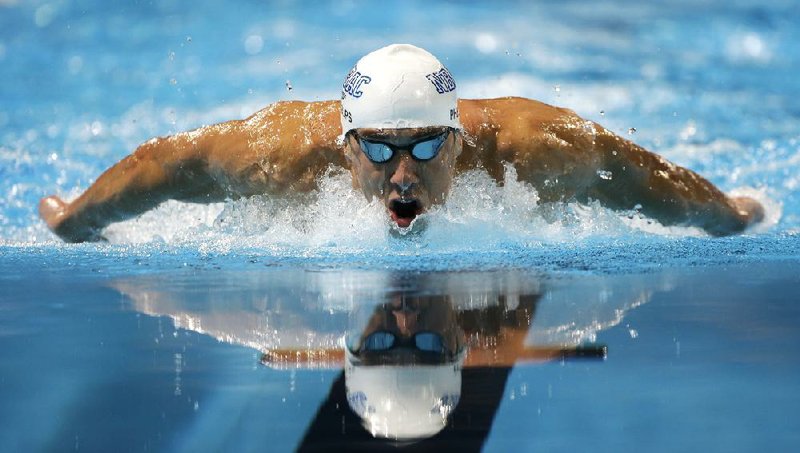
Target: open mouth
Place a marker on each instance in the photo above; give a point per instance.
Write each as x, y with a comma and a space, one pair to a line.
403, 212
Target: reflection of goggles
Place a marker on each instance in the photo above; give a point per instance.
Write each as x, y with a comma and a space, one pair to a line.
381, 341
424, 149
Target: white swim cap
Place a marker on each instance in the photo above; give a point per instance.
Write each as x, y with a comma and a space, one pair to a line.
399, 86
403, 402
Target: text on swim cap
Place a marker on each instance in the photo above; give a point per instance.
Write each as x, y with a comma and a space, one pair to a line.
358, 402
442, 80
352, 83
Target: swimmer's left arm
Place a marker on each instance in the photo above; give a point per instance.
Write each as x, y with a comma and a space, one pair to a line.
629, 175
566, 157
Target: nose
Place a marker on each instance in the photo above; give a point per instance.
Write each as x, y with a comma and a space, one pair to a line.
405, 175
406, 321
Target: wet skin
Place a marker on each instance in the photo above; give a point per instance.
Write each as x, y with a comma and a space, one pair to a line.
405, 316
285, 148
406, 186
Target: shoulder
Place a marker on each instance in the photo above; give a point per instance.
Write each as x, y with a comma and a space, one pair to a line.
294, 127
521, 123
296, 113
541, 141
510, 110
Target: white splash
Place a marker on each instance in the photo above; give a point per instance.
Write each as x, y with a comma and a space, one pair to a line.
480, 215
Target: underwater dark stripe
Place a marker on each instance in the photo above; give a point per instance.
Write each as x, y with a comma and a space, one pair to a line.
336, 427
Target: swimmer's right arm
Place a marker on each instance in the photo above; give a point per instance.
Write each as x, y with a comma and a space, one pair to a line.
164, 168
283, 148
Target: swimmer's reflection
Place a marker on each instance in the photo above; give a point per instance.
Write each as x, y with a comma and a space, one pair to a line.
444, 340
403, 369
418, 369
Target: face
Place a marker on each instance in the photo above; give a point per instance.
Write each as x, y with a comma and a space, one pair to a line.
406, 186
405, 316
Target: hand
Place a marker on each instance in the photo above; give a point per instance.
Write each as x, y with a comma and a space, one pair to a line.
749, 209
52, 210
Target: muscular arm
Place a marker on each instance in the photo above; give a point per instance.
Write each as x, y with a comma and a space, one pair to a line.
281, 148
665, 191
158, 170
563, 156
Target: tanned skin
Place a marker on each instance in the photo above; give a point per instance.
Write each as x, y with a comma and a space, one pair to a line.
284, 148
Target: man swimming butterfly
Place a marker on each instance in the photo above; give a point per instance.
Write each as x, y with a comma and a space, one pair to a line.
403, 134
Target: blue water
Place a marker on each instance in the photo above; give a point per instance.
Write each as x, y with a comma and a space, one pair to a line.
170, 361
710, 85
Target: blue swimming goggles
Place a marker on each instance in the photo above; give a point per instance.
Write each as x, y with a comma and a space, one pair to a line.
383, 341
424, 149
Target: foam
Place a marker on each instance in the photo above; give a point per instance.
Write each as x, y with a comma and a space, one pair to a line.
481, 215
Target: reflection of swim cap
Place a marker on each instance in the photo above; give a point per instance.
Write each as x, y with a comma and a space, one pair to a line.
402, 402
399, 86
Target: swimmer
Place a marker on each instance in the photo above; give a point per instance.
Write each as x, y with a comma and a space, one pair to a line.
401, 131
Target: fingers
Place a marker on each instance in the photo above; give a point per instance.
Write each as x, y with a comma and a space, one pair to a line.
749, 209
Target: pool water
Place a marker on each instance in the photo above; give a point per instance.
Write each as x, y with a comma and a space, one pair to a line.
172, 361
154, 340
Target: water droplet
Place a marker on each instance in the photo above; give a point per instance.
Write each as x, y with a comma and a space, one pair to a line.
173, 81
253, 44
288, 85
188, 39
557, 88
605, 174
631, 131
44, 15
633, 333
602, 113
96, 128
614, 152
172, 56
74, 64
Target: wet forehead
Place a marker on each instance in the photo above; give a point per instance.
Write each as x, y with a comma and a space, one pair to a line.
400, 136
